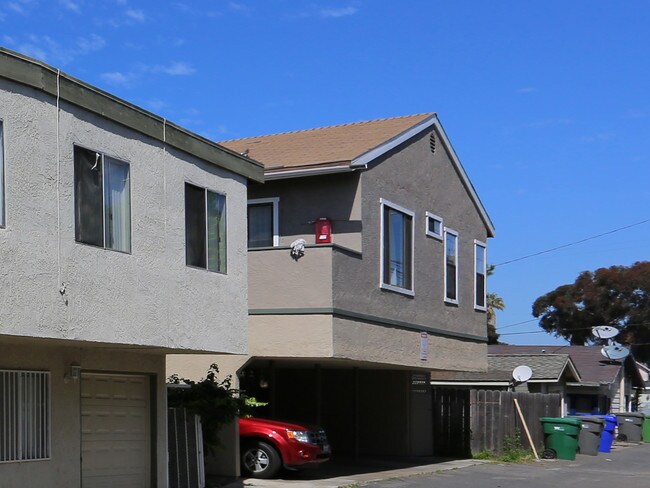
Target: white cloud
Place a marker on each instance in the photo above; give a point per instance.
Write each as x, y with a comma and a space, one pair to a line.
600, 137
175, 69
240, 7
8, 41
47, 49
118, 78
338, 12
90, 44
156, 105
15, 7
70, 5
137, 15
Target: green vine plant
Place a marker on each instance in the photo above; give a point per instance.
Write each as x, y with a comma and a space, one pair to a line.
214, 400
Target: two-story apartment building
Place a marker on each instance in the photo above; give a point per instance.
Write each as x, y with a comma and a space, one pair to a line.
122, 239
390, 287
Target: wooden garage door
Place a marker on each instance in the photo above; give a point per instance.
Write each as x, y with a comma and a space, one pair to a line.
115, 431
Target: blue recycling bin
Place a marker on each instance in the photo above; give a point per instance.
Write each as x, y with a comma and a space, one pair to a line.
608, 434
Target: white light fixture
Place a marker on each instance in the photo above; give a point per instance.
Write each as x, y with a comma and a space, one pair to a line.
73, 373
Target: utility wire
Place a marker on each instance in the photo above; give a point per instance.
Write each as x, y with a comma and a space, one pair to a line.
571, 244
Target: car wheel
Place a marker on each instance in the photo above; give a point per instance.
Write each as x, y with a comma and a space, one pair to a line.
260, 460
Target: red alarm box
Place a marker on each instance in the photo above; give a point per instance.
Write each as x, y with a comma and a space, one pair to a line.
323, 230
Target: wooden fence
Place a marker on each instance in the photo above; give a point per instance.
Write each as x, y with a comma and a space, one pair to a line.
466, 422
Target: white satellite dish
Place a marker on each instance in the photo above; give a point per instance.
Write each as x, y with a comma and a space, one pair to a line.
522, 373
614, 352
604, 331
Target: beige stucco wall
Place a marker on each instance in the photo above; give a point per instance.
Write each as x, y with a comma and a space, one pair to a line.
278, 281
148, 297
64, 469
361, 341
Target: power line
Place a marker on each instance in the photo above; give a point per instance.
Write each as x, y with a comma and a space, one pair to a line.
571, 243
517, 323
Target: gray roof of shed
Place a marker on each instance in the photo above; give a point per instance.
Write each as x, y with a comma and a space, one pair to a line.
546, 367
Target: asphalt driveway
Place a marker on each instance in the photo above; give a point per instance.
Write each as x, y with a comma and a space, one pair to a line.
627, 466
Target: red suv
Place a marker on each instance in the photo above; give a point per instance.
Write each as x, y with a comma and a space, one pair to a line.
268, 445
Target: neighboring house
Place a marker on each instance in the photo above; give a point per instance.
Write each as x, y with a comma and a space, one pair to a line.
643, 401
604, 386
551, 374
107, 266
391, 285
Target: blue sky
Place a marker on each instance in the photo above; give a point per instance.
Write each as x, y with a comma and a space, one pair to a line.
547, 103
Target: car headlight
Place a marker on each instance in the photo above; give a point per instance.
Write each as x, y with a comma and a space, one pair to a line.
299, 435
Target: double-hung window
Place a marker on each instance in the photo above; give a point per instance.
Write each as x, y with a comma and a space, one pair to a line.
2, 177
396, 248
25, 423
263, 222
480, 274
205, 229
102, 196
451, 265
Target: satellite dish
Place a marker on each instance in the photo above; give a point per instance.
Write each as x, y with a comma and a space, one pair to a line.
522, 373
614, 352
604, 331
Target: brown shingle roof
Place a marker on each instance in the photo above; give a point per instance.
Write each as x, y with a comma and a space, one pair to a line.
589, 362
335, 145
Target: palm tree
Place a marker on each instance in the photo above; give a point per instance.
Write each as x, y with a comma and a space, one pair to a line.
494, 302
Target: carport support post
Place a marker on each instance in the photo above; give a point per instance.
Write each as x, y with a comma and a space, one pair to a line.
356, 416
319, 394
274, 389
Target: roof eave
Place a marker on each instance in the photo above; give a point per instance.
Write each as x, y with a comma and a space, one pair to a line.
364, 159
36, 74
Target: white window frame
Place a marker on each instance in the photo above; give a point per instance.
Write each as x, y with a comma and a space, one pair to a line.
27, 429
432, 216
276, 215
398, 289
479, 244
2, 178
454, 233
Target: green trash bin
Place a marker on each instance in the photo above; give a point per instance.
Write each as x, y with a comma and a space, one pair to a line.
646, 429
560, 437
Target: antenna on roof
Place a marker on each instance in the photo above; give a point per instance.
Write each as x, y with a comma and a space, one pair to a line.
520, 374
604, 331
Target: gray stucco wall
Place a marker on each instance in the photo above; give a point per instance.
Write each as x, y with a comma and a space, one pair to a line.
303, 200
149, 297
414, 178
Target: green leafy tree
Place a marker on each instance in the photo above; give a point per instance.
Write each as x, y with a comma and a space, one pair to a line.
618, 296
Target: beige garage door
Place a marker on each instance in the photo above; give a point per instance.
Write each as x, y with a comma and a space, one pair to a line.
115, 431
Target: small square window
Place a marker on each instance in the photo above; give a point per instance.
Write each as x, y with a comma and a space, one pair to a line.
434, 226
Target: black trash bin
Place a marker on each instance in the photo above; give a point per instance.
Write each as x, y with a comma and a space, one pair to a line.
589, 439
630, 426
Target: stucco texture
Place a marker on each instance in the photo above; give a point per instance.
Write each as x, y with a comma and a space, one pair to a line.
64, 469
148, 297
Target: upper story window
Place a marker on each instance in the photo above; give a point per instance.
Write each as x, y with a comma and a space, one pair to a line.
451, 265
480, 274
205, 229
102, 200
2, 178
434, 225
24, 415
397, 246
263, 225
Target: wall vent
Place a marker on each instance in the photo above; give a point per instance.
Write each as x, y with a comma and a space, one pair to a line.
432, 141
